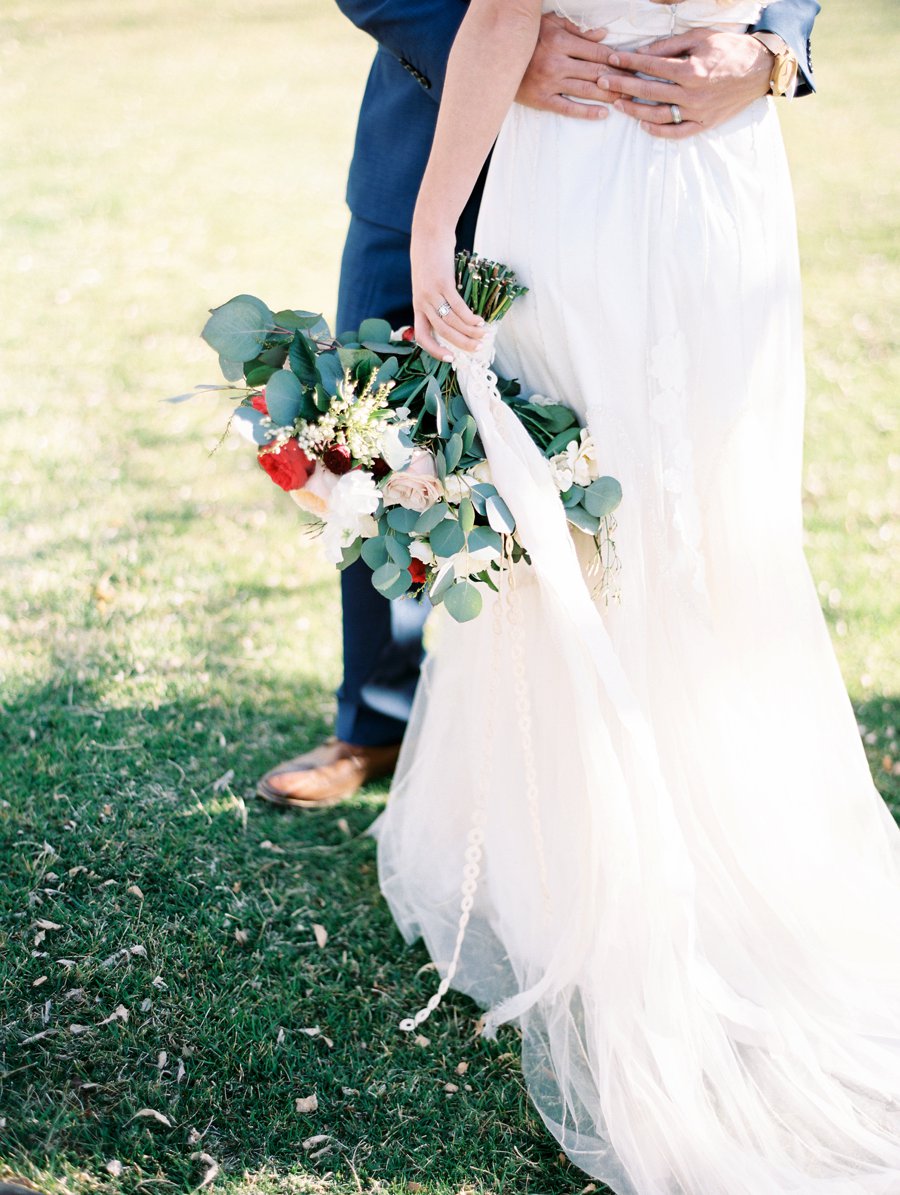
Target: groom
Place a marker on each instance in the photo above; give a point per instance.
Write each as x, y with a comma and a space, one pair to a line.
712, 77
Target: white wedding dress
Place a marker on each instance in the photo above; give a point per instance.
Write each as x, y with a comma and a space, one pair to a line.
677, 876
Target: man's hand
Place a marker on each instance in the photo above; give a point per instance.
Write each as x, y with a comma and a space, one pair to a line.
711, 76
567, 62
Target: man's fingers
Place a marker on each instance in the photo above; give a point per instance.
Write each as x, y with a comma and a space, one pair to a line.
673, 132
643, 89
659, 65
559, 103
674, 47
582, 89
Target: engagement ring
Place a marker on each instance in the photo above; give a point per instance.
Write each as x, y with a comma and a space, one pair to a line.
444, 310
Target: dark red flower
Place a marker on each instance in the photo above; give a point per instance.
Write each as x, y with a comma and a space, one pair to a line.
287, 465
258, 403
417, 572
337, 459
380, 468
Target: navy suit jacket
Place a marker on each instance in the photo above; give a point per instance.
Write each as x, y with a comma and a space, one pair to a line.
400, 105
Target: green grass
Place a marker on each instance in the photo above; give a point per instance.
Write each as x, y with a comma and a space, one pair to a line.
165, 635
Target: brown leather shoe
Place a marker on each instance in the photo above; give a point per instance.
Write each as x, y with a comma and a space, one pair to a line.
326, 775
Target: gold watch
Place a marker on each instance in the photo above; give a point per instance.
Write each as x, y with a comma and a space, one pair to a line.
785, 68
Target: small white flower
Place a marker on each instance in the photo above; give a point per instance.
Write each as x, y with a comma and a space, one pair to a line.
541, 400
467, 564
577, 465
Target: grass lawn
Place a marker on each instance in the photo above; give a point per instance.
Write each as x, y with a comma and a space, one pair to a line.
166, 997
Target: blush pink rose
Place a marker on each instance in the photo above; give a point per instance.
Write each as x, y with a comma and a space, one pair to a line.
416, 487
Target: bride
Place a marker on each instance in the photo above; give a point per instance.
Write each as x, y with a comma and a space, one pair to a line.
645, 831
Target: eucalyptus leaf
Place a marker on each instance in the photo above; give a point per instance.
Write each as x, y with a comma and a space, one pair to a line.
499, 515
284, 396
258, 375
484, 537
443, 580
401, 519
247, 422
453, 452
232, 371
463, 601
374, 552
466, 515
602, 497
580, 518
573, 496
237, 330
386, 576
447, 538
375, 329
386, 372
400, 587
430, 518
397, 551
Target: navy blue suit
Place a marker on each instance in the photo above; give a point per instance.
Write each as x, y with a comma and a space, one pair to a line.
383, 640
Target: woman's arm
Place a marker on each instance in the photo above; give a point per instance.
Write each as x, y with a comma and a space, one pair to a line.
489, 57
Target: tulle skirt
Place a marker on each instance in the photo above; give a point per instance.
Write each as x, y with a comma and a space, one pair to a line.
675, 872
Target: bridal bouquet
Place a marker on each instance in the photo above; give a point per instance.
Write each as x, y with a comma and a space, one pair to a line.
372, 438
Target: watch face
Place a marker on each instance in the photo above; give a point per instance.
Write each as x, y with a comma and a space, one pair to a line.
785, 71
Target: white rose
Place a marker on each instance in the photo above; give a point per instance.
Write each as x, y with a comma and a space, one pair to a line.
416, 487
587, 465
562, 471
315, 495
481, 473
421, 551
456, 487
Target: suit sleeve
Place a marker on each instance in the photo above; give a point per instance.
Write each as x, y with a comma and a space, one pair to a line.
793, 21
419, 35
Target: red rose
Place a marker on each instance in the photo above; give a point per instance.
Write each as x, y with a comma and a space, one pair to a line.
287, 465
417, 572
258, 403
409, 334
380, 468
337, 459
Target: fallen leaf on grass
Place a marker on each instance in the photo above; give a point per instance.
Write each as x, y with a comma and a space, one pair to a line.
343, 825
41, 923
306, 1104
120, 1014
240, 936
37, 1037
321, 935
450, 1088
161, 1059
67, 962
37, 982
134, 890
462, 1067
312, 1142
421, 1040
270, 846
76, 1028
160, 983
152, 1114
212, 1169
114, 1167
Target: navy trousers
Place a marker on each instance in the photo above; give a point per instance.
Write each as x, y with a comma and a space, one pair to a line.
382, 640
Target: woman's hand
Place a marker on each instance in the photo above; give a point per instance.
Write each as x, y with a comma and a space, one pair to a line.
434, 289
